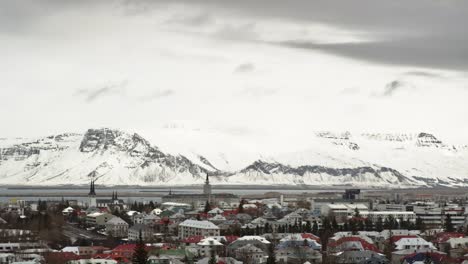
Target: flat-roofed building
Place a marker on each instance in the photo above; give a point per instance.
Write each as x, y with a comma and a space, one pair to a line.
190, 228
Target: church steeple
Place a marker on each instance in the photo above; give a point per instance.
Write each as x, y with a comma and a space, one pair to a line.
92, 191
92, 195
207, 186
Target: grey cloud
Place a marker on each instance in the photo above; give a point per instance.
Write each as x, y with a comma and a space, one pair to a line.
412, 33
196, 20
392, 87
237, 32
424, 74
408, 52
91, 95
245, 68
158, 94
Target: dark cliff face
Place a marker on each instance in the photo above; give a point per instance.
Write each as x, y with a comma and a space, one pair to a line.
277, 168
428, 140
27, 149
95, 139
98, 140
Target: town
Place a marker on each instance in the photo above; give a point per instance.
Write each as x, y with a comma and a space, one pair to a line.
210, 227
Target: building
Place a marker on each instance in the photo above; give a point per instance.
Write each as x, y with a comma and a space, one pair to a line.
351, 194
413, 243
117, 227
190, 228
250, 254
207, 188
225, 200
135, 230
342, 211
98, 219
257, 241
92, 195
209, 245
113, 204
398, 215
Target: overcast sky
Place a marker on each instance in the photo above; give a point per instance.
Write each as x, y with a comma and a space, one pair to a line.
244, 69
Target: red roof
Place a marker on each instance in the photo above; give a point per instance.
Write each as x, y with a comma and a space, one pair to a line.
231, 239
103, 256
444, 236
165, 220
62, 257
193, 239
365, 245
118, 258
125, 247
230, 212
310, 236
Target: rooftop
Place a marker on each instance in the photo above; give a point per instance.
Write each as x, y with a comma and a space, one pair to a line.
199, 224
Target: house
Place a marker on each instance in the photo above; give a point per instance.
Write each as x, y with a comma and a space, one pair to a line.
83, 251
250, 254
135, 231
191, 241
220, 260
257, 241
215, 211
399, 255
117, 227
123, 251
375, 259
197, 228
412, 243
93, 261
208, 246
352, 243
98, 218
150, 219
67, 211
427, 257
217, 219
298, 255
457, 246
357, 256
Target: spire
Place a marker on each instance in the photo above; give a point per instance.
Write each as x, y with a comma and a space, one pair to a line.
207, 179
116, 197
91, 189
113, 195
170, 191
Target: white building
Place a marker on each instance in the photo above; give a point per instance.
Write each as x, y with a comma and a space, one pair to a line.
251, 254
98, 219
117, 227
397, 215
197, 228
342, 211
413, 243
209, 245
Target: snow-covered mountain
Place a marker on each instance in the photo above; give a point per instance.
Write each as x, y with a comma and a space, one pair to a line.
115, 157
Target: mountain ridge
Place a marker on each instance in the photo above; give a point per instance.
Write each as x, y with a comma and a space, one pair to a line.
115, 157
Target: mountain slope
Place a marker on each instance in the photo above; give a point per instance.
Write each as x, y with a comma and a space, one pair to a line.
114, 157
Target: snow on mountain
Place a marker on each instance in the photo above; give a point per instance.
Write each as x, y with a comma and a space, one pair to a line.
115, 157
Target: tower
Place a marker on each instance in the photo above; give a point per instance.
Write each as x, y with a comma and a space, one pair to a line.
92, 195
207, 188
